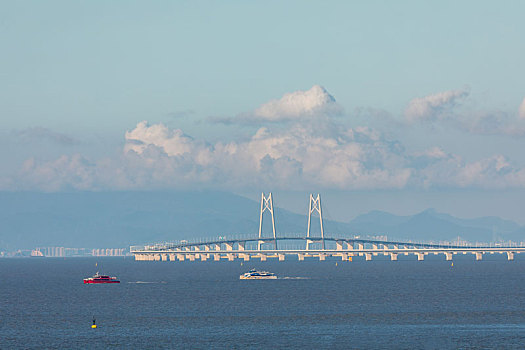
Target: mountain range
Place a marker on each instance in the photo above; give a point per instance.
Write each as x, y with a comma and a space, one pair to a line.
119, 219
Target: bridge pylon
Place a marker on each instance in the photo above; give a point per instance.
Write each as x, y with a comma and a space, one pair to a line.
266, 205
314, 206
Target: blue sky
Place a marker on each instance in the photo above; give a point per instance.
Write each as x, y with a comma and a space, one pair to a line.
427, 99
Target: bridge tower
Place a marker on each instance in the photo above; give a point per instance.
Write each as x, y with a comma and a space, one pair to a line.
266, 205
314, 206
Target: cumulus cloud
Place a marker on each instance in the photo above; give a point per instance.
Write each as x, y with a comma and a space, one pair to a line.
313, 103
66, 172
173, 142
434, 107
491, 123
349, 158
453, 171
322, 153
297, 158
521, 111
420, 160
441, 108
298, 104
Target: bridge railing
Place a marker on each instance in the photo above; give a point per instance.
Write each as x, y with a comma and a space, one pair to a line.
365, 239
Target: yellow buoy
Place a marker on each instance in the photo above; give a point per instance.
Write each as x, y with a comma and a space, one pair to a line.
452, 265
94, 325
335, 264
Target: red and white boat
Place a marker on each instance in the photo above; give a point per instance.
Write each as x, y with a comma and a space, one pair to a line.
101, 279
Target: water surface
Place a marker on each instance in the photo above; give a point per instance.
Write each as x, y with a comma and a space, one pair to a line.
378, 304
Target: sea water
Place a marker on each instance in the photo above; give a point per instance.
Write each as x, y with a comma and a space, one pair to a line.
376, 304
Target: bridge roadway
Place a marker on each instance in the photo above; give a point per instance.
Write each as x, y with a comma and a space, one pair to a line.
232, 249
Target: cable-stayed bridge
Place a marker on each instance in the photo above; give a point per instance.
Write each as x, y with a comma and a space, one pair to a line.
301, 246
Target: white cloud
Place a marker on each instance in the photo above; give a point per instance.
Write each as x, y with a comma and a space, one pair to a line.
66, 172
298, 158
173, 142
435, 153
521, 111
318, 154
494, 123
494, 172
434, 107
352, 158
441, 108
298, 105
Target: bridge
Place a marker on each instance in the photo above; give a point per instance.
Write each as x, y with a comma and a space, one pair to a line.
320, 246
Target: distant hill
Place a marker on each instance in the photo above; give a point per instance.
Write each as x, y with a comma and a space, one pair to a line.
431, 225
120, 219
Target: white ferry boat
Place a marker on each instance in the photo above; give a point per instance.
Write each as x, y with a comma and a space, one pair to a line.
258, 275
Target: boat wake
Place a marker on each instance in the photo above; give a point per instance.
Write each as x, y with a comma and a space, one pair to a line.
293, 278
145, 282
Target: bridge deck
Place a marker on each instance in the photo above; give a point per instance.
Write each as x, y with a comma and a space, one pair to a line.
344, 247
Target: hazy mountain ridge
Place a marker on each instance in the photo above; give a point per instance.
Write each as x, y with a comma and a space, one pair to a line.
431, 225
119, 219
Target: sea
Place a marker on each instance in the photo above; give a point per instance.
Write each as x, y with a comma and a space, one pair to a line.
378, 304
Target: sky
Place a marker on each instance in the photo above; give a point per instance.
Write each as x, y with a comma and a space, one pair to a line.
396, 106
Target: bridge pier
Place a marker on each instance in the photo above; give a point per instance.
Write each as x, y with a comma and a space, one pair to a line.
232, 249
308, 243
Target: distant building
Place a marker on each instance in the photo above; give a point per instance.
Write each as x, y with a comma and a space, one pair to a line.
109, 252
36, 252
